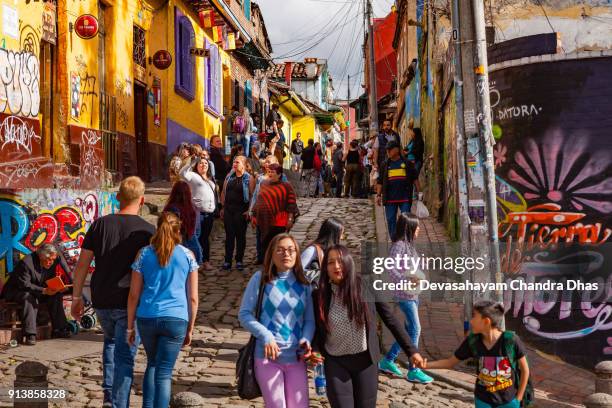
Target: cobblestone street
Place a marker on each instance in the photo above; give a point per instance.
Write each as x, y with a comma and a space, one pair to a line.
207, 367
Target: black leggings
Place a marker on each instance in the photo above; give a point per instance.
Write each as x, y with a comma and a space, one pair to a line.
235, 235
352, 381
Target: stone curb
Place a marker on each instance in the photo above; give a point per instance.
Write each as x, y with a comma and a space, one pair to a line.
449, 379
381, 231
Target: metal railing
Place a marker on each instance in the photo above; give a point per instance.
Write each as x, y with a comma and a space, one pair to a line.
108, 116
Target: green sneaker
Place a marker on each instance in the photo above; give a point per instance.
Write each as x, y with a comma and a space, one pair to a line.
389, 367
418, 376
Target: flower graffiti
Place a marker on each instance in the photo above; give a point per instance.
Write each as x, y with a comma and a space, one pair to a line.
564, 170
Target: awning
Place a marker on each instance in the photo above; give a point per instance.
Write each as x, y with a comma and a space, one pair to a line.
252, 56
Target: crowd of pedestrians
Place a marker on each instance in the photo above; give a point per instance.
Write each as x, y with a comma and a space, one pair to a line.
302, 307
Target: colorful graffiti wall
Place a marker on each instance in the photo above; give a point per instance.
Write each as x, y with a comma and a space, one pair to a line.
31, 217
553, 158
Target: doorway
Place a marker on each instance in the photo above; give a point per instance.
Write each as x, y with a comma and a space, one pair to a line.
140, 121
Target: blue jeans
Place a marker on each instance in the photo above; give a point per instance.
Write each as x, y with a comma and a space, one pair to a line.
512, 404
117, 357
391, 214
410, 308
162, 338
246, 143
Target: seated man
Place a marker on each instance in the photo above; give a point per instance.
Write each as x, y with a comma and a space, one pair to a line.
26, 286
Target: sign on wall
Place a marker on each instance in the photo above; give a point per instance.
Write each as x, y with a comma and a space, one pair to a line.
86, 26
162, 59
49, 34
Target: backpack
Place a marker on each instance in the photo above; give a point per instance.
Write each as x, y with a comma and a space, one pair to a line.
508, 350
239, 125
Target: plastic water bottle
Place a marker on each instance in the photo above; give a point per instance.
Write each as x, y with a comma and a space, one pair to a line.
319, 380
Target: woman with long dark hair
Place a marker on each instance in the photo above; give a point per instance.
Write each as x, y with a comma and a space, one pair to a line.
406, 231
179, 202
235, 197
330, 234
163, 300
200, 178
347, 335
285, 327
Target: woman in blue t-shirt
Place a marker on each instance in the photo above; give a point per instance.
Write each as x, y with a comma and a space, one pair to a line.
164, 301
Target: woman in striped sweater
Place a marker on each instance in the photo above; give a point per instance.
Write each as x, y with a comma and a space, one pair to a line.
275, 209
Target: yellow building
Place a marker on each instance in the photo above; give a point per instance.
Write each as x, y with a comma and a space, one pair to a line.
93, 88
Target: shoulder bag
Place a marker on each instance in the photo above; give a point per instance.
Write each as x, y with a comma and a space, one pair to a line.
248, 388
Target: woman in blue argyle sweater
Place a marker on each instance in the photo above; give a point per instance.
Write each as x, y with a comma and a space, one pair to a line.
285, 326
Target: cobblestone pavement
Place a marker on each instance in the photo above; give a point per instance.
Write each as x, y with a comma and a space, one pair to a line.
207, 367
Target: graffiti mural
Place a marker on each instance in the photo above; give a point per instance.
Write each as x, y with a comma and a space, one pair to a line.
32, 217
19, 83
83, 94
87, 145
21, 161
553, 162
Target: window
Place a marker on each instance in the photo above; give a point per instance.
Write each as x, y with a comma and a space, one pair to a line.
185, 66
139, 51
213, 78
248, 95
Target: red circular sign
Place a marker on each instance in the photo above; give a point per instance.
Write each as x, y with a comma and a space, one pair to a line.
86, 26
162, 59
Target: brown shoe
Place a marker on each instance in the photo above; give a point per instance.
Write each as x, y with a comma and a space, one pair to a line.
30, 340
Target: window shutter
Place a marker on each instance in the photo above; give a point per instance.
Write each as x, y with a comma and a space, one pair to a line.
208, 74
187, 61
248, 95
247, 9
217, 80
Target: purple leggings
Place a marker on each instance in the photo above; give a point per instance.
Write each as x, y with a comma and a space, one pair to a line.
282, 385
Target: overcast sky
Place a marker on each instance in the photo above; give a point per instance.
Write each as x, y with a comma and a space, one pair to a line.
327, 29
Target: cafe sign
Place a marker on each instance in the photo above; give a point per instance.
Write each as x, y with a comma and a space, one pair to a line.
162, 59
86, 26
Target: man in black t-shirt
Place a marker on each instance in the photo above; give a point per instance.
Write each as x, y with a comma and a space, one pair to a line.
114, 241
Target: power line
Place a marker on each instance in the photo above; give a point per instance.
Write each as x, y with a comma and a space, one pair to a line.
318, 37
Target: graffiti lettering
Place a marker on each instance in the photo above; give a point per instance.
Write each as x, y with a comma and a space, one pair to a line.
90, 137
122, 117
83, 94
520, 111
15, 224
65, 224
50, 216
16, 131
29, 39
19, 83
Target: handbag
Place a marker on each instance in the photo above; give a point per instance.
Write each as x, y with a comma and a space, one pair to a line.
248, 388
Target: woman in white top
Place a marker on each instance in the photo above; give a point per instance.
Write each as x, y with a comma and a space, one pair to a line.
203, 188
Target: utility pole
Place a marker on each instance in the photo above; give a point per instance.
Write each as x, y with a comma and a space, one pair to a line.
348, 109
481, 71
372, 72
464, 219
